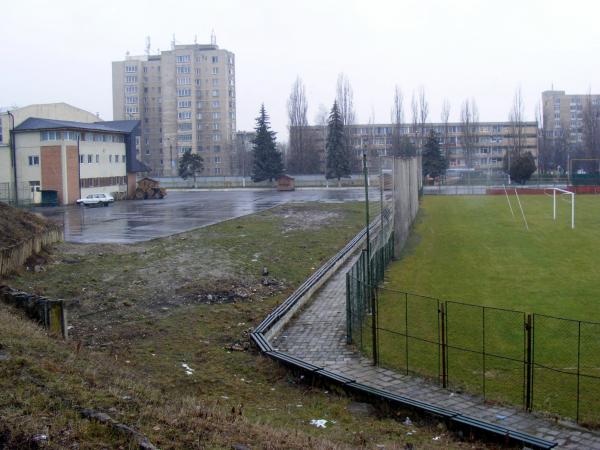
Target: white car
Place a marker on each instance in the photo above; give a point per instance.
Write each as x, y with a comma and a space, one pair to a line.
96, 199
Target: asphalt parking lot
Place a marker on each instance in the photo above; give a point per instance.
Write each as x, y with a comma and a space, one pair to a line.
134, 221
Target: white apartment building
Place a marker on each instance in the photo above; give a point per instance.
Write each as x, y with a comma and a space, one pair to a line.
185, 100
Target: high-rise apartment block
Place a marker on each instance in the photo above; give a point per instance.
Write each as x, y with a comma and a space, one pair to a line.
185, 100
563, 115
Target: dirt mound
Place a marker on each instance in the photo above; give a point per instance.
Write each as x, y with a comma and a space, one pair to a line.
17, 225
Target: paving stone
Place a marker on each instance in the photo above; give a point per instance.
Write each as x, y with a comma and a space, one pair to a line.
318, 335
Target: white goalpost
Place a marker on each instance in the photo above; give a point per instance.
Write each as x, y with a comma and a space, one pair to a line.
563, 192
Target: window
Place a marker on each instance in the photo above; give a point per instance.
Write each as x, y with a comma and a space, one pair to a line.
184, 81
197, 70
131, 100
90, 159
215, 126
217, 160
217, 170
130, 69
97, 158
199, 116
50, 135
215, 59
184, 137
215, 82
216, 115
215, 103
215, 70
70, 136
34, 160
198, 82
216, 148
116, 158
34, 186
184, 103
184, 115
182, 58
184, 126
131, 89
81, 159
216, 137
183, 149
184, 92
183, 69
131, 109
215, 93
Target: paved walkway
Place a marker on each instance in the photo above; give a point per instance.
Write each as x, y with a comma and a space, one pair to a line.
318, 336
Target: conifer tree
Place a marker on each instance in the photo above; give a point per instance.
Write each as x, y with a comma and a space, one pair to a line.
434, 162
190, 165
338, 158
268, 163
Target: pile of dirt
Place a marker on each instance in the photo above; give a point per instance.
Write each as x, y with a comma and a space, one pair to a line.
17, 225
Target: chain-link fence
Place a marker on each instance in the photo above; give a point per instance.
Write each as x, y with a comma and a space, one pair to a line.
536, 361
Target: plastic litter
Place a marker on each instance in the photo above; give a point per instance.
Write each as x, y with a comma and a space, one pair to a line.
319, 423
407, 422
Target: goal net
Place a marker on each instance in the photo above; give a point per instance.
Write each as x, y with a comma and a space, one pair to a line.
561, 193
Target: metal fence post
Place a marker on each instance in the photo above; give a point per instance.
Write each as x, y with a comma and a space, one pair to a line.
578, 365
443, 342
348, 310
528, 363
375, 325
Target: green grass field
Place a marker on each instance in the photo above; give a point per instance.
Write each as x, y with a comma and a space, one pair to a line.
471, 250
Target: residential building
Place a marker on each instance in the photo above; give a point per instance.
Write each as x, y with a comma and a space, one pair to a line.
571, 130
489, 143
185, 100
563, 114
72, 158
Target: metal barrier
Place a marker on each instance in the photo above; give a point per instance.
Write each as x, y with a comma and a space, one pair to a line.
536, 361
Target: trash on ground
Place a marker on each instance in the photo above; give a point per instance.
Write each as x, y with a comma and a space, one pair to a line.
500, 417
188, 369
407, 422
319, 423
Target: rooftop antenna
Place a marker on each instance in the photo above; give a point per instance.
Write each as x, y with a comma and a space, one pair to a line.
173, 42
195, 39
147, 45
213, 38
127, 54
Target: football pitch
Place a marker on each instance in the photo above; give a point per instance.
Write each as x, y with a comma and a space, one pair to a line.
470, 258
471, 249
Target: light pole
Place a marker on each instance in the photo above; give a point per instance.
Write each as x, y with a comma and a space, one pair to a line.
13, 153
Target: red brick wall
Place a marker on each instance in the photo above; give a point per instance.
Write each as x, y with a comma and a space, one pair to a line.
131, 183
72, 173
51, 169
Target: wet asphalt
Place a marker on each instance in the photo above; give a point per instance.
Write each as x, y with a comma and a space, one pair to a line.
126, 222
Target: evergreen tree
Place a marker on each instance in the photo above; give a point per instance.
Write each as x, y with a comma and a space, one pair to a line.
434, 162
338, 158
268, 163
190, 165
522, 167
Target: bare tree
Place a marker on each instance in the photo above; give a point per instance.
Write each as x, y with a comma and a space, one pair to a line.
321, 115
397, 120
345, 101
423, 115
445, 117
591, 129
297, 122
517, 127
414, 108
469, 118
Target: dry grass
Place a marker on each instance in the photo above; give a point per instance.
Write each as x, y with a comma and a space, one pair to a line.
134, 332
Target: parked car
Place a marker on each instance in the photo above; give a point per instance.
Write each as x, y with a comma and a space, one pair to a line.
96, 199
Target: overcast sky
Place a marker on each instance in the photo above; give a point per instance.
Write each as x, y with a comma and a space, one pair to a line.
53, 51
